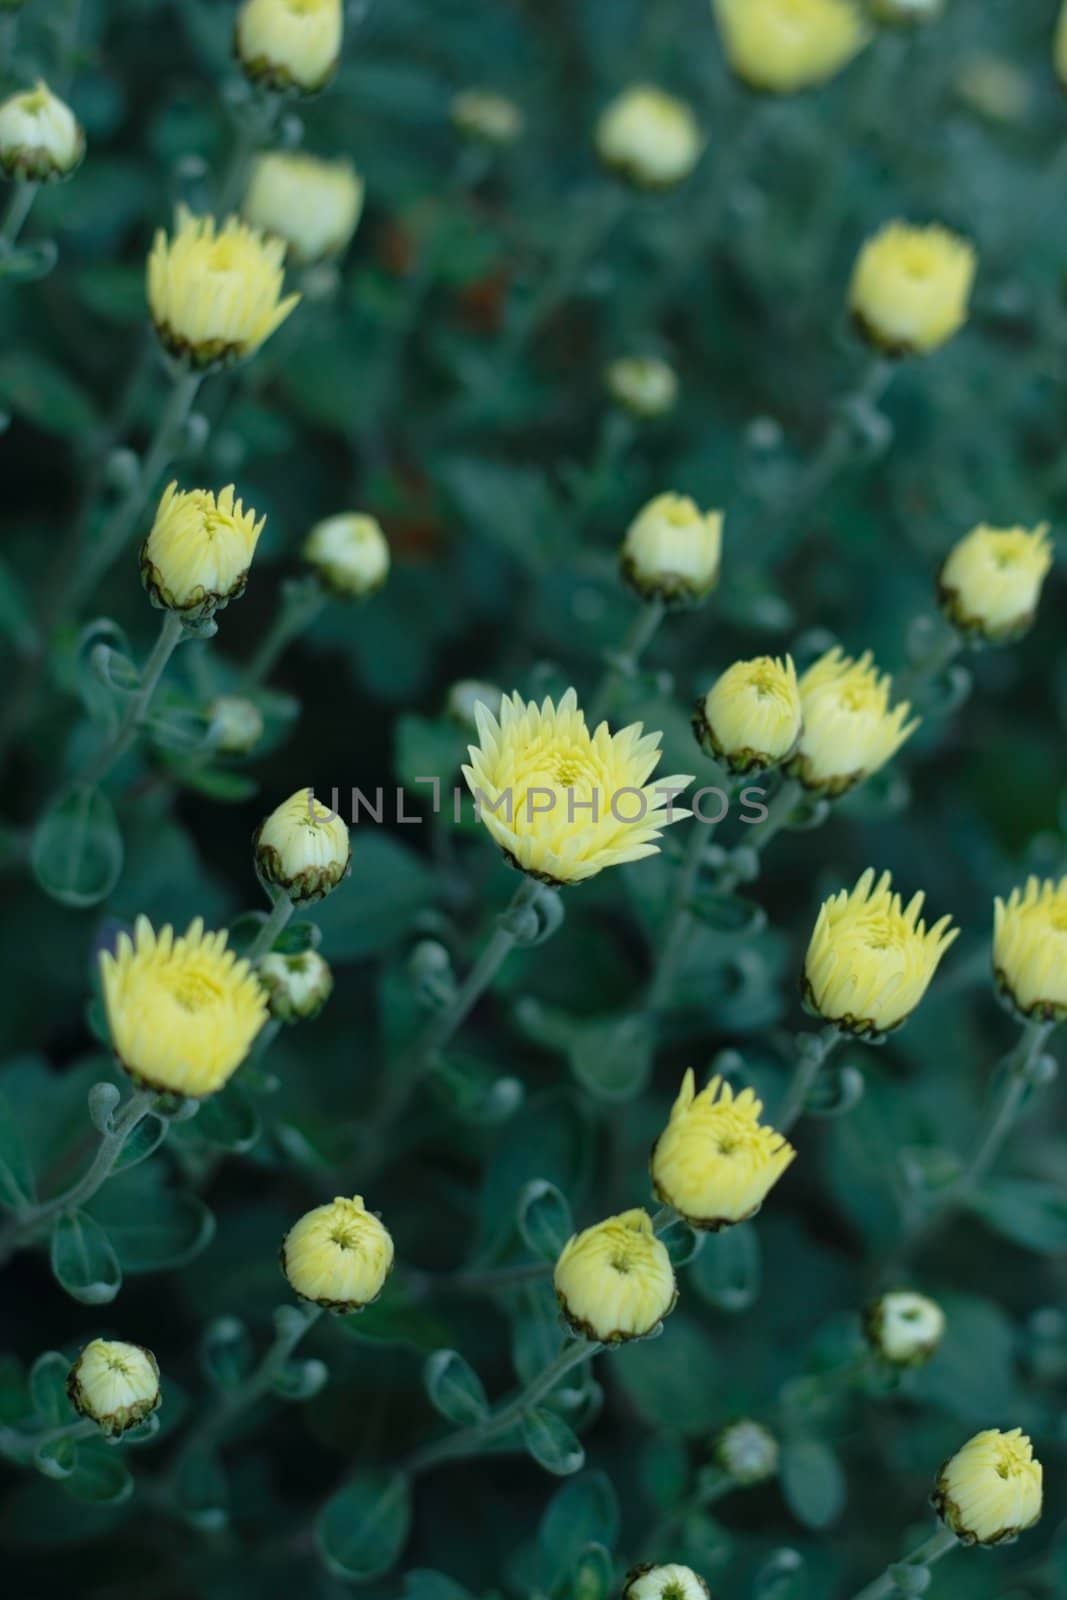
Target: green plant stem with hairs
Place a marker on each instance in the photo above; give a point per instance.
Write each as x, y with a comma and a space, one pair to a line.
624, 662
813, 1051
171, 633
938, 1545
273, 927
21, 1447
302, 601
19, 207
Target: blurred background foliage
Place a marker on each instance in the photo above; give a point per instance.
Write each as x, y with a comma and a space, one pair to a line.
449, 378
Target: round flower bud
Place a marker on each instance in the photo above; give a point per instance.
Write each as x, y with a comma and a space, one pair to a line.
114, 1384
349, 555
236, 725
313, 205
848, 729
648, 137
672, 551
197, 557
289, 44
991, 1490
303, 848
298, 986
1030, 949
669, 1582
215, 294
911, 287
871, 959
747, 1452
991, 581
481, 114
644, 386
750, 720
615, 1281
338, 1256
782, 46
715, 1162
904, 1328
40, 137
466, 695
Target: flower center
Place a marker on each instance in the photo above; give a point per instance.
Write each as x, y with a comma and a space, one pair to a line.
194, 990
344, 1236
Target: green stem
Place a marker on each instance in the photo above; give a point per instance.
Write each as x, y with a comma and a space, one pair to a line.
758, 835
663, 1219
301, 604
19, 208
810, 1062
580, 241
22, 1447
938, 1545
624, 662
265, 939
679, 919
171, 632
944, 648
253, 129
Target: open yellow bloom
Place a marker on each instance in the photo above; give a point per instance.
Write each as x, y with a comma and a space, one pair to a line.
784, 45
198, 554
313, 205
349, 554
40, 138
644, 385
482, 114
215, 294
289, 44
750, 719
715, 1162
904, 1328
615, 1281
672, 550
991, 1490
183, 1012
670, 1581
338, 1255
911, 287
303, 847
849, 730
871, 958
991, 581
649, 137
561, 802
1030, 949
114, 1384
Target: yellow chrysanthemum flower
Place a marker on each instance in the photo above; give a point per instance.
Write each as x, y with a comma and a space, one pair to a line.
1030, 949
871, 958
482, 114
649, 137
904, 1328
849, 730
672, 550
750, 719
991, 1490
670, 1581
781, 46
991, 581
338, 1255
290, 44
615, 1281
561, 802
303, 847
215, 294
313, 205
349, 554
715, 1162
41, 140
114, 1384
644, 386
183, 1012
197, 557
911, 288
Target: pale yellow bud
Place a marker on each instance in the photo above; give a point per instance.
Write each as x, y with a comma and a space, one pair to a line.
197, 557
781, 46
715, 1162
313, 205
911, 288
747, 1452
298, 986
672, 550
235, 726
40, 137
615, 1281
116, 1385
338, 1256
1030, 949
668, 1582
904, 1328
750, 720
303, 848
991, 581
481, 114
649, 137
644, 385
991, 1490
849, 730
349, 555
290, 44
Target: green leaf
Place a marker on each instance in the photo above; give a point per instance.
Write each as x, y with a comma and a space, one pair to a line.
16, 612
454, 1388
544, 1219
612, 1056
84, 1260
593, 1574
1024, 1210
56, 1458
813, 1482
397, 1317
422, 1584
200, 1490
301, 1380
153, 1228
730, 914
583, 1512
100, 1476
43, 394
552, 1443
76, 851
297, 938
375, 906
48, 1388
362, 1529
728, 1272
16, 1176
673, 1382
226, 1352
228, 1119
145, 1139
475, 1092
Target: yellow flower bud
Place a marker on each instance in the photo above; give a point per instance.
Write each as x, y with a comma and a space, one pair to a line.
338, 1256
906, 12
995, 88
672, 550
871, 959
648, 137
1030, 949
991, 1490
615, 1281
668, 1582
781, 46
747, 1452
114, 1384
561, 802
303, 848
911, 287
1059, 46
313, 205
215, 294
750, 719
40, 138
235, 726
643, 385
848, 729
481, 114
349, 555
298, 986
289, 44
991, 581
197, 557
904, 1328
715, 1162
183, 1012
